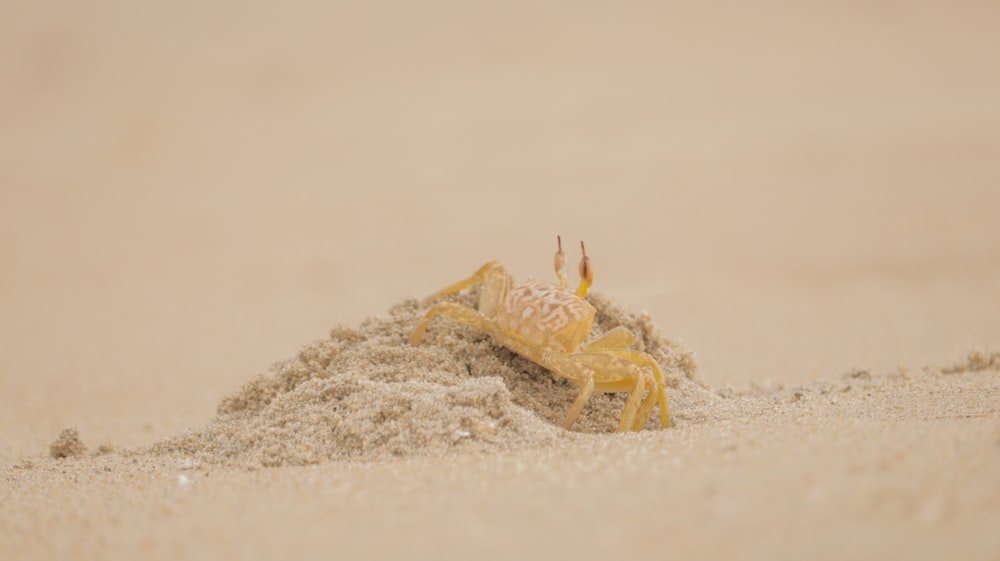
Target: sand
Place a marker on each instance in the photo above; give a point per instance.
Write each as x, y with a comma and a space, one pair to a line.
369, 394
215, 221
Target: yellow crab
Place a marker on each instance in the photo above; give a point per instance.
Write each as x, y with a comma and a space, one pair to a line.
547, 323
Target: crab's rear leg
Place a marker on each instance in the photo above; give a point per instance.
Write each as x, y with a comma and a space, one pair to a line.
457, 312
490, 275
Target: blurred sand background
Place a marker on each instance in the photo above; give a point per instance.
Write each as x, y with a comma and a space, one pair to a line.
191, 191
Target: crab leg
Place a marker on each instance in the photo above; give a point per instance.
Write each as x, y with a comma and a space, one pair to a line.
613, 373
647, 404
478, 277
642, 359
578, 373
457, 312
617, 338
616, 342
586, 390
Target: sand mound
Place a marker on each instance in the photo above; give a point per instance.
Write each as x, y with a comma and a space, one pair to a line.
67, 445
367, 393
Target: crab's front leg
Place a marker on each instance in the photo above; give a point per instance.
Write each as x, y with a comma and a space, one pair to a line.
659, 387
617, 374
617, 338
580, 374
605, 372
617, 342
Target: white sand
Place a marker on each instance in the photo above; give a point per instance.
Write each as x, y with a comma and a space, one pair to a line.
804, 197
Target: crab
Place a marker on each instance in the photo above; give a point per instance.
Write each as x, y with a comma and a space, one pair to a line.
547, 323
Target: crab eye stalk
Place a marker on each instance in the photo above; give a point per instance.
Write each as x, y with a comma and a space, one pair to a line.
586, 273
560, 263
